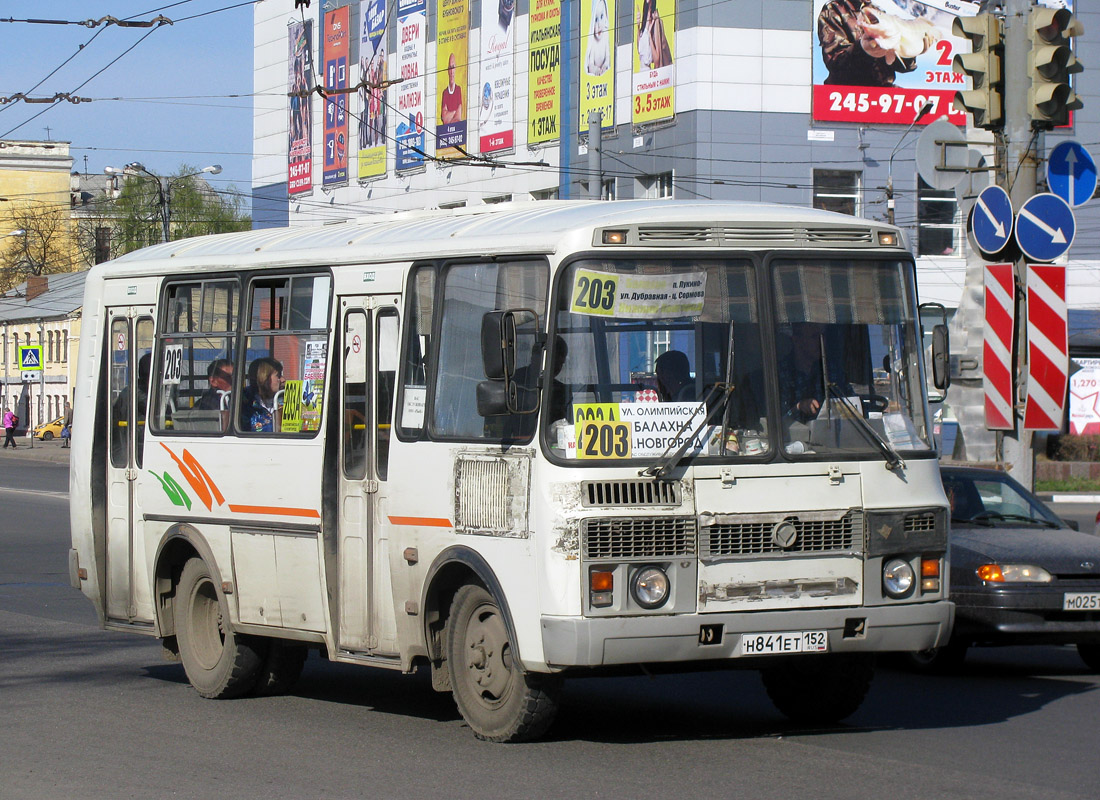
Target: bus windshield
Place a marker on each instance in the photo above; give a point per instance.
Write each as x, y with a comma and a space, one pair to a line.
649, 353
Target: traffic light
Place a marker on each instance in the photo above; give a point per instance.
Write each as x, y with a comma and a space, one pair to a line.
983, 65
1050, 64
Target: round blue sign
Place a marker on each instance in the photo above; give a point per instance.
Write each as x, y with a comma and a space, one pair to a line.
1071, 173
1045, 227
992, 220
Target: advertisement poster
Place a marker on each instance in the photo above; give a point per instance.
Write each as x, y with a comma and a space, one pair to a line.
544, 71
412, 33
372, 98
496, 119
299, 178
598, 61
451, 62
883, 62
653, 79
1084, 397
337, 46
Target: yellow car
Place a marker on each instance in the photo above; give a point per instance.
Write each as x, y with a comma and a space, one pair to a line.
49, 430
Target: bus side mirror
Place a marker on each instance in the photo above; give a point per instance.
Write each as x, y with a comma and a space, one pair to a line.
511, 388
492, 345
941, 358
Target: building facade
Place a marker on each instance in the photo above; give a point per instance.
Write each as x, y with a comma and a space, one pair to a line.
45, 312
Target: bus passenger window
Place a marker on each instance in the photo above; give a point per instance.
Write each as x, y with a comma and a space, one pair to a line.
282, 388
196, 357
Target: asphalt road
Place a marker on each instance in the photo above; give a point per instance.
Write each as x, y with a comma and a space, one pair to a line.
91, 714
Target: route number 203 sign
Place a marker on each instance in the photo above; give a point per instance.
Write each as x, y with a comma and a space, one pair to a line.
630, 296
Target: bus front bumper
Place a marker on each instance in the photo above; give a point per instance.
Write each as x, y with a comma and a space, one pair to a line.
605, 641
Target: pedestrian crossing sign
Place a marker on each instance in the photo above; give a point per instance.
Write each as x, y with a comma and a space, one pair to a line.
30, 357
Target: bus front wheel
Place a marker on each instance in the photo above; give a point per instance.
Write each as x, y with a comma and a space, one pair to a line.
498, 700
819, 689
218, 663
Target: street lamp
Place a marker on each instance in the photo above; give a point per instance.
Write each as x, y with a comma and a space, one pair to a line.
927, 107
164, 188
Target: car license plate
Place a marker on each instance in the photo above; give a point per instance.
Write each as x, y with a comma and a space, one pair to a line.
1081, 601
771, 644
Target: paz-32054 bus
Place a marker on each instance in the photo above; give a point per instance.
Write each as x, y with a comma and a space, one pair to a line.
513, 444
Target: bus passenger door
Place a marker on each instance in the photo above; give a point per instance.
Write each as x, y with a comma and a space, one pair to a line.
129, 356
356, 486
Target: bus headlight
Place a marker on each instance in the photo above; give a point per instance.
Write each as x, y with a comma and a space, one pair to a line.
898, 577
650, 587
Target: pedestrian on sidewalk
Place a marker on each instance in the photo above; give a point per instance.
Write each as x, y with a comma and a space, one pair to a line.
10, 423
67, 427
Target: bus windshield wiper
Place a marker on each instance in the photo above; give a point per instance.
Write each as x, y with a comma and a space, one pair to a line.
893, 460
667, 461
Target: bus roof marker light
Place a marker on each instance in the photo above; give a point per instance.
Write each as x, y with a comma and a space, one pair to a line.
887, 239
614, 237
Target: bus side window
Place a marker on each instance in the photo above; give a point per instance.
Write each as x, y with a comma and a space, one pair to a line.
282, 389
413, 392
387, 344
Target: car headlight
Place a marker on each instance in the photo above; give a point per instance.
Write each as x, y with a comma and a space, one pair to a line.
650, 587
898, 577
1013, 573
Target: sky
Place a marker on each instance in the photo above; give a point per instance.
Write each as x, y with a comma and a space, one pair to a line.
163, 96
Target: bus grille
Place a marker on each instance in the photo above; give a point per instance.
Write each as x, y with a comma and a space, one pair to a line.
752, 535
638, 537
750, 236
921, 523
491, 495
630, 493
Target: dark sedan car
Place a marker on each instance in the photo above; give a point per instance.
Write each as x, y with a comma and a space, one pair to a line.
1019, 573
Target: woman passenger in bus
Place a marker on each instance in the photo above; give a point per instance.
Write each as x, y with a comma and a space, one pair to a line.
258, 403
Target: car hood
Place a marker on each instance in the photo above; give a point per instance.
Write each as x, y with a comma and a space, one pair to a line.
1061, 551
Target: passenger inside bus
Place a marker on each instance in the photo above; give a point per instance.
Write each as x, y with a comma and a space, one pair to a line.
674, 384
259, 403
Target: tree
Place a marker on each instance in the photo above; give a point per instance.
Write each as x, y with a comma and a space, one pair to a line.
45, 246
195, 208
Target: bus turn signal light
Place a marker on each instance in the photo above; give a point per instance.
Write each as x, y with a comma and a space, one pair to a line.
602, 581
929, 574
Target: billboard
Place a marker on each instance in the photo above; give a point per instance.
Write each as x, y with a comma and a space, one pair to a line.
412, 36
452, 57
880, 63
496, 115
597, 61
299, 178
653, 77
372, 97
1084, 397
544, 71
337, 25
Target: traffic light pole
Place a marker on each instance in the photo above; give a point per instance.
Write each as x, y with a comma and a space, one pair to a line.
1019, 179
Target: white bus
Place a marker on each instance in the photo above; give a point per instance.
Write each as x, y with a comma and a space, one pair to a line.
512, 444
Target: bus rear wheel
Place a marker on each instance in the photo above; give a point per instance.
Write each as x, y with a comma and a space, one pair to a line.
819, 689
498, 700
218, 663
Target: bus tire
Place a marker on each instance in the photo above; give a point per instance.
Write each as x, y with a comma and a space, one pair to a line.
281, 668
219, 663
498, 700
819, 689
938, 660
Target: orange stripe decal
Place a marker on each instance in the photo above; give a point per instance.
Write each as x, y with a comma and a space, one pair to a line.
423, 522
275, 511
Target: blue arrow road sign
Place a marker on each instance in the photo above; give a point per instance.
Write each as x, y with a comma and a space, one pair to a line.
1071, 173
1045, 227
992, 220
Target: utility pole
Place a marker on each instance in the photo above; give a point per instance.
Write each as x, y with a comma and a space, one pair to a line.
595, 154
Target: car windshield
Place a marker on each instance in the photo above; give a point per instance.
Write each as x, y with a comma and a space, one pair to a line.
654, 354
992, 500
